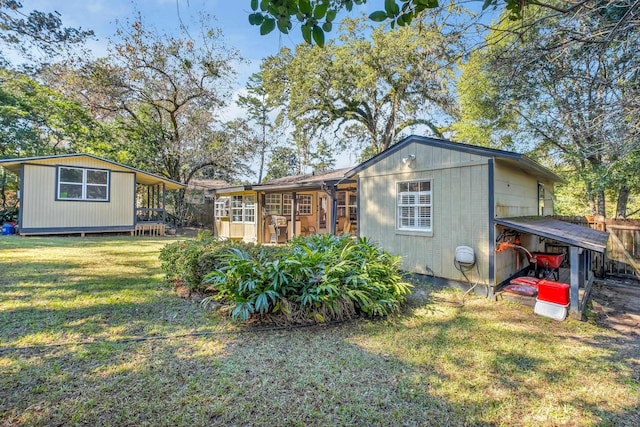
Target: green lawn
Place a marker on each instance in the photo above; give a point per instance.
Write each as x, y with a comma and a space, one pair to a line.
439, 363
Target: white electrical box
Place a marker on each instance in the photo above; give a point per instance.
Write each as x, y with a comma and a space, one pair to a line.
465, 255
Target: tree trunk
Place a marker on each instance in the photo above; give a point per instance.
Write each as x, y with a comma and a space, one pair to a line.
263, 149
600, 198
591, 198
621, 206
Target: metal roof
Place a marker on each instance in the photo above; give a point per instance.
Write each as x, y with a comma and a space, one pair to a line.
565, 232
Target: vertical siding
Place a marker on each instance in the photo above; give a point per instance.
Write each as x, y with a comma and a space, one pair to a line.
41, 210
516, 192
460, 208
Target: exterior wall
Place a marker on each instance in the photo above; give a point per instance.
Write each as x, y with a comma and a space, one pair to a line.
460, 206
239, 230
516, 194
42, 213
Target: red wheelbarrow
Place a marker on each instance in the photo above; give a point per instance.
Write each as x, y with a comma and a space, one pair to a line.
547, 264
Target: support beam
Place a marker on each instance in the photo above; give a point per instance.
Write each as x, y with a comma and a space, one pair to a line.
576, 259
334, 210
294, 208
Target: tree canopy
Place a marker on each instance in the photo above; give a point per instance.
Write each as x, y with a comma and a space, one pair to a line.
573, 103
368, 88
22, 32
316, 17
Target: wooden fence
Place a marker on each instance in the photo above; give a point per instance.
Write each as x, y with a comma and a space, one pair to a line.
622, 257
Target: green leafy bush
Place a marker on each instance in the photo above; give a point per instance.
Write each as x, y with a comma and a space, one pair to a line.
185, 263
314, 279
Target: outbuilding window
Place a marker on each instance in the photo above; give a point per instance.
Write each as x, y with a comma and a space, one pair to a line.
222, 207
305, 204
414, 205
82, 184
243, 209
278, 204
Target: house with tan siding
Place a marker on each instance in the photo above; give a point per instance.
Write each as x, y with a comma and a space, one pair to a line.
424, 197
278, 210
82, 193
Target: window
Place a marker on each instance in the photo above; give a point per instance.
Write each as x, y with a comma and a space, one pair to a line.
414, 205
249, 209
347, 205
278, 204
83, 184
236, 208
286, 204
273, 204
243, 209
222, 207
305, 204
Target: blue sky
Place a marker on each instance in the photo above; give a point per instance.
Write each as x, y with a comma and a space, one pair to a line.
102, 16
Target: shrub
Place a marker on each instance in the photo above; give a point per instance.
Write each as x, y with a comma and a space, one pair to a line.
316, 278
185, 263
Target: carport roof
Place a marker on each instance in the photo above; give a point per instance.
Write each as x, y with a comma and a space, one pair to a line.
565, 232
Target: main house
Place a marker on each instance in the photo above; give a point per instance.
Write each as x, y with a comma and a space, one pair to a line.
82, 193
425, 199
278, 210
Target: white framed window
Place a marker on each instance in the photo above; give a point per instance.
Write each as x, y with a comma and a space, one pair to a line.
222, 207
414, 204
243, 209
249, 209
273, 204
305, 204
286, 204
236, 208
278, 204
347, 205
82, 184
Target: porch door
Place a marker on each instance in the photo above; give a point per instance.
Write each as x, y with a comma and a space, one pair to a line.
323, 213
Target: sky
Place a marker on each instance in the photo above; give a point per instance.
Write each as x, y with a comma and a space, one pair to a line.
104, 16
231, 16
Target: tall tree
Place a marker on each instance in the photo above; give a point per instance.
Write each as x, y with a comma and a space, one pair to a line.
165, 94
569, 100
284, 161
36, 120
367, 88
259, 107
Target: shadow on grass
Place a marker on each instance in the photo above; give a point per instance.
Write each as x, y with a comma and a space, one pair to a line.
438, 363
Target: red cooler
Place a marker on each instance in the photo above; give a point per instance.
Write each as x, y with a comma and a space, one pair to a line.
555, 292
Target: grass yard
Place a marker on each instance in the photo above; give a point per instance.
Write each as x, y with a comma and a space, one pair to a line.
438, 363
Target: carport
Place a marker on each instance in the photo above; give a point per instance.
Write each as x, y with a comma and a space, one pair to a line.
582, 242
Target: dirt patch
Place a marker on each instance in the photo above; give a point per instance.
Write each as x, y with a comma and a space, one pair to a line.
616, 303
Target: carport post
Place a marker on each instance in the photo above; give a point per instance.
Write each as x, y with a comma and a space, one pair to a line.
577, 278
